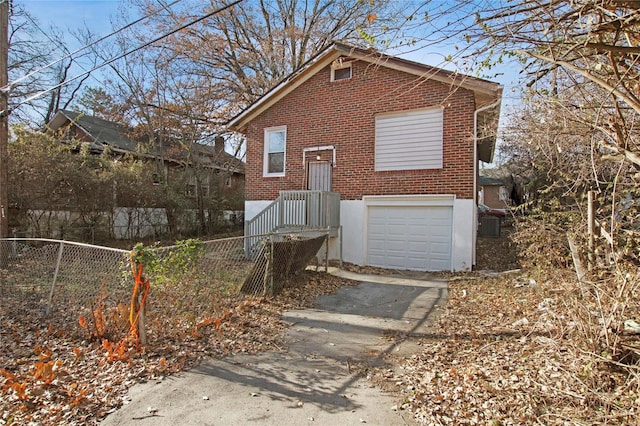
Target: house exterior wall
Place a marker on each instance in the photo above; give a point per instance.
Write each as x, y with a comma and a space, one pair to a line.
492, 197
225, 187
118, 223
354, 231
231, 192
352, 214
342, 114
464, 214
73, 132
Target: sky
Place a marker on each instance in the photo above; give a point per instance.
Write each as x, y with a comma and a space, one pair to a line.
73, 14
97, 15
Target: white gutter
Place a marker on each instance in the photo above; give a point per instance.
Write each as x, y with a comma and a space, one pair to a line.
475, 173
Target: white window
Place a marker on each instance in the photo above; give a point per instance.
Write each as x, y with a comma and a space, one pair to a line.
409, 140
275, 143
503, 194
340, 71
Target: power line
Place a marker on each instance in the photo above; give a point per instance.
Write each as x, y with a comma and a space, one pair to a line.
69, 55
57, 43
109, 61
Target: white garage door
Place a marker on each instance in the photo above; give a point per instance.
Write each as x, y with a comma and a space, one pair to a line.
415, 238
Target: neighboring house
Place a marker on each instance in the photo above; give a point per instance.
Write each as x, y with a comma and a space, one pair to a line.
493, 192
500, 192
398, 140
211, 178
220, 167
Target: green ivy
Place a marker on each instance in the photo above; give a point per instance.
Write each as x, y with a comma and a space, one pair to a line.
169, 267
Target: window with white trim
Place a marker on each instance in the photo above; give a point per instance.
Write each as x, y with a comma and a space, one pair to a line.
409, 140
341, 72
503, 194
275, 144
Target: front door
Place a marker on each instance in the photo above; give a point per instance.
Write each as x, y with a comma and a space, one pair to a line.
319, 176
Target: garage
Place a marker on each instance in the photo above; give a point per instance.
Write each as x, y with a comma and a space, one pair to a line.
409, 237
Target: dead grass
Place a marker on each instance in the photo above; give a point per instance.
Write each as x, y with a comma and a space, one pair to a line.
498, 355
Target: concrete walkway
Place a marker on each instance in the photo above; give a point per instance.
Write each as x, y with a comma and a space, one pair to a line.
311, 384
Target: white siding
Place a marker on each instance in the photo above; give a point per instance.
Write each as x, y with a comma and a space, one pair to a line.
409, 140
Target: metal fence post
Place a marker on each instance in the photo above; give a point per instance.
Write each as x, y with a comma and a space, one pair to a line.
4, 258
247, 242
55, 278
270, 266
326, 253
340, 237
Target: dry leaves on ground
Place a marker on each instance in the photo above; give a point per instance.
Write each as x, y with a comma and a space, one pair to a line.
501, 352
54, 373
498, 354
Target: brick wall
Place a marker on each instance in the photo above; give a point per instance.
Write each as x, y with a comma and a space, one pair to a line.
492, 197
342, 113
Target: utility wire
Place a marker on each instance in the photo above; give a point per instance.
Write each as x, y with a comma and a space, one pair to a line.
69, 55
57, 43
195, 21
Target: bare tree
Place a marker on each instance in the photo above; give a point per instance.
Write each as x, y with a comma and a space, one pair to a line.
244, 50
581, 53
39, 62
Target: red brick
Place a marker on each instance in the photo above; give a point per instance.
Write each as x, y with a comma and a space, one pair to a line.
320, 112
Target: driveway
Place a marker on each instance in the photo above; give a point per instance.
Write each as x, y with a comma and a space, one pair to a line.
313, 381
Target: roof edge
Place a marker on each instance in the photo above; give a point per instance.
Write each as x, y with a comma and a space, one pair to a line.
238, 122
486, 88
67, 114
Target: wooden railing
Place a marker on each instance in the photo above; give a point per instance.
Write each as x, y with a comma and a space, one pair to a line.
294, 209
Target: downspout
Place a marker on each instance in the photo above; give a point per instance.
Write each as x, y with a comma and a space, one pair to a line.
475, 174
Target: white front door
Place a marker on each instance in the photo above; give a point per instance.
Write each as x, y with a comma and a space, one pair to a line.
319, 176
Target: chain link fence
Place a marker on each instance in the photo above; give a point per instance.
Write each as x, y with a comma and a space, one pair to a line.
63, 273
187, 280
280, 257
